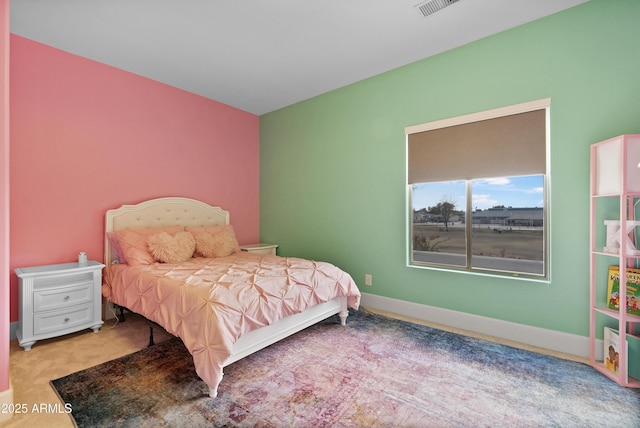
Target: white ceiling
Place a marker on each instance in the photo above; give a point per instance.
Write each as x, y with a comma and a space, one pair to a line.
262, 55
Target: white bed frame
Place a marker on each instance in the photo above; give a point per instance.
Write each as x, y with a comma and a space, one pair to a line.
190, 212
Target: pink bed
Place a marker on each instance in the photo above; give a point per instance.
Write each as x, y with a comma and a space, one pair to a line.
223, 307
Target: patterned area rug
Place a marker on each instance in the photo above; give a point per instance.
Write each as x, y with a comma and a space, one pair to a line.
376, 371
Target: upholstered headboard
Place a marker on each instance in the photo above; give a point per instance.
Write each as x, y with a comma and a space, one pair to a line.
161, 212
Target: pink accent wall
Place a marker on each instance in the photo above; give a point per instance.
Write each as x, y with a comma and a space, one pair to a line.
4, 196
86, 137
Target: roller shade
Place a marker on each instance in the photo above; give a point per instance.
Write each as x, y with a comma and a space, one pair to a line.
503, 146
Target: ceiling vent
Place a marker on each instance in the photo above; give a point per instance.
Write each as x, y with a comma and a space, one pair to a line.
432, 6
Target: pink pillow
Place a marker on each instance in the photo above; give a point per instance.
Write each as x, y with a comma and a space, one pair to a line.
172, 249
215, 241
133, 243
115, 245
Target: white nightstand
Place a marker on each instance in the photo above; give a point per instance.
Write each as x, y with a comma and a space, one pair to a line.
260, 248
58, 299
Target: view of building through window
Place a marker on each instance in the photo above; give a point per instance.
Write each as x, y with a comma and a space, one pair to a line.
501, 229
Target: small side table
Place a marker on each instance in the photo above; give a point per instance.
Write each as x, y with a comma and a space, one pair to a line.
55, 300
260, 248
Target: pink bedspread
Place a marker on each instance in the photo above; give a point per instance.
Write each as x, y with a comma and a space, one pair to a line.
210, 303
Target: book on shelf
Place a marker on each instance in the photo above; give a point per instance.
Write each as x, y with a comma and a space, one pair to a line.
612, 350
632, 292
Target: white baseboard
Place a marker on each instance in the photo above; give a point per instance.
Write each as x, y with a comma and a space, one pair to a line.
108, 311
539, 337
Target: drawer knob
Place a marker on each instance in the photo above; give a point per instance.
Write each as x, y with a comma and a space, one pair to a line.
66, 298
66, 320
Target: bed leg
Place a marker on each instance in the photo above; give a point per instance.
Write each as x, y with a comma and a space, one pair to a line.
121, 316
343, 317
151, 342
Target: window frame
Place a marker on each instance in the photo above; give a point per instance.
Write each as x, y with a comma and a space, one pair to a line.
543, 104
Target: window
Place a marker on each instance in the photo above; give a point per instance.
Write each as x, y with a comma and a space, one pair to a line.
477, 189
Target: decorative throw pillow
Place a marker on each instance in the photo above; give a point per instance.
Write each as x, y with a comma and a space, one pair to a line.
115, 245
172, 249
133, 243
215, 241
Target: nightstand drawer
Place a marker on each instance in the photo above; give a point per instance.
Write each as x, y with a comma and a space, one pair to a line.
56, 280
48, 322
62, 297
263, 251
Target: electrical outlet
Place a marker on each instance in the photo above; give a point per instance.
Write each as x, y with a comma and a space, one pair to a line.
368, 279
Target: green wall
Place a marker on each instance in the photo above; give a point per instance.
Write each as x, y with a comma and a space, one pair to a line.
333, 167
